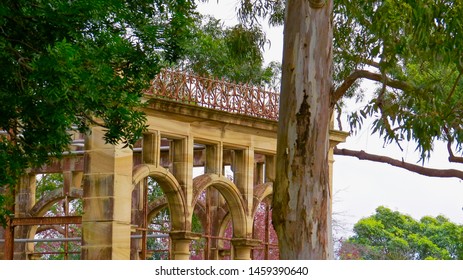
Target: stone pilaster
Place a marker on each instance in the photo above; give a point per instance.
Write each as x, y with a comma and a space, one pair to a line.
107, 199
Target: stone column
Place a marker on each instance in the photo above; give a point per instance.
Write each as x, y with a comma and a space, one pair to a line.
25, 199
243, 172
243, 168
25, 195
213, 165
259, 177
107, 199
151, 152
136, 219
242, 248
270, 169
214, 159
182, 162
180, 244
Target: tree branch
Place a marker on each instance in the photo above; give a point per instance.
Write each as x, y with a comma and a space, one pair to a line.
372, 63
452, 157
430, 172
460, 64
338, 116
91, 120
364, 74
454, 87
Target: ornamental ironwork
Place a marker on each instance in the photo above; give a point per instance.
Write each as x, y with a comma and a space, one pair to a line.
215, 94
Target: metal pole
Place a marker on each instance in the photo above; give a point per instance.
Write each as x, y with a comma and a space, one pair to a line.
9, 230
66, 228
145, 219
208, 225
267, 231
9, 239
75, 239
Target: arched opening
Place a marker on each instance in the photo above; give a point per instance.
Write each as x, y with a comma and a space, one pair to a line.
262, 224
224, 212
158, 207
57, 241
197, 246
224, 243
263, 230
211, 210
159, 223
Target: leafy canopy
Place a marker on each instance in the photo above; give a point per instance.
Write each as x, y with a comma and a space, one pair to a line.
67, 65
392, 235
413, 50
231, 53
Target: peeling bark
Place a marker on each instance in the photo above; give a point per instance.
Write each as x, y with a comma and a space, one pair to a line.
302, 196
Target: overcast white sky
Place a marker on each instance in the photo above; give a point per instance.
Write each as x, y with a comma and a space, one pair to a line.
361, 186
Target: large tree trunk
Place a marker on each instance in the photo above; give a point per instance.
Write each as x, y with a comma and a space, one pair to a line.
302, 198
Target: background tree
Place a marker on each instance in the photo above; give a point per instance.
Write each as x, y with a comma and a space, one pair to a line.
395, 236
68, 65
232, 53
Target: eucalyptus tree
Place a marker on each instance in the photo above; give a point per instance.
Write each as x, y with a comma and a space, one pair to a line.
68, 65
414, 52
411, 49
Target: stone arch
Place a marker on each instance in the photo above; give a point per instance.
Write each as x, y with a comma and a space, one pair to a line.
268, 237
154, 207
171, 189
224, 224
200, 211
41, 206
260, 193
222, 229
231, 194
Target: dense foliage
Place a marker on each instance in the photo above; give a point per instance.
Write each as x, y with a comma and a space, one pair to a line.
412, 49
67, 65
395, 236
234, 53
